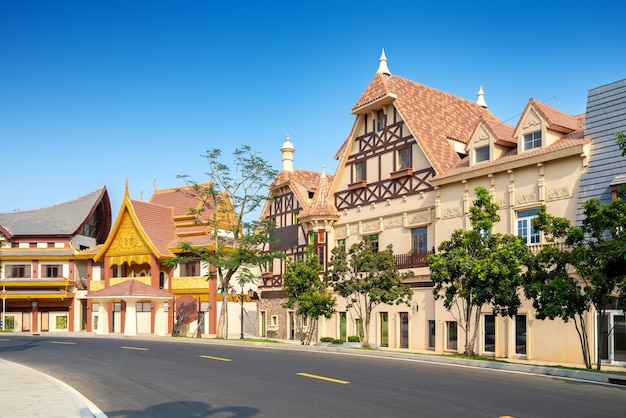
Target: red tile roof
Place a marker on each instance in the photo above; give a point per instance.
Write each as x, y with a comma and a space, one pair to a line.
433, 116
131, 288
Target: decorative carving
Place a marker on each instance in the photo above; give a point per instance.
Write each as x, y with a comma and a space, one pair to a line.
370, 226
340, 232
526, 198
127, 240
560, 192
532, 120
420, 217
395, 222
451, 212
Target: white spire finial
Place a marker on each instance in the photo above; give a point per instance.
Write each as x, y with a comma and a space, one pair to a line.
287, 150
323, 172
480, 101
382, 66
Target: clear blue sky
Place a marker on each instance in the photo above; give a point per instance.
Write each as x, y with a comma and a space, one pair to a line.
94, 93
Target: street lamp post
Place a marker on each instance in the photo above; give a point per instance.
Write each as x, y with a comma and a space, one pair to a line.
4, 304
241, 301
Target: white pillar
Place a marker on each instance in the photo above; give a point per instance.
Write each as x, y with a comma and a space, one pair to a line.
130, 323
103, 317
160, 318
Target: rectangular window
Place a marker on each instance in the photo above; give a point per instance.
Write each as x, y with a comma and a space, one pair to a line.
520, 334
532, 140
404, 330
384, 329
525, 229
489, 333
419, 240
481, 154
373, 239
343, 325
312, 239
18, 271
381, 120
321, 237
359, 171
294, 219
51, 271
341, 244
321, 256
431, 334
404, 158
452, 335
143, 306
191, 268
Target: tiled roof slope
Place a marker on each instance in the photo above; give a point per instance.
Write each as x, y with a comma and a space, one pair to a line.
61, 219
433, 116
157, 223
299, 181
321, 205
556, 117
130, 288
573, 140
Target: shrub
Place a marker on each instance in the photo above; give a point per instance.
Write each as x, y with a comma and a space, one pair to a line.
354, 339
327, 339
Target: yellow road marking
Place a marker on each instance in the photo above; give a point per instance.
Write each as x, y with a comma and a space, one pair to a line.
216, 358
505, 416
62, 342
328, 379
134, 348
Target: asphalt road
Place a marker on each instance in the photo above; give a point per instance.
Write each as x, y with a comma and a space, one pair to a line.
177, 378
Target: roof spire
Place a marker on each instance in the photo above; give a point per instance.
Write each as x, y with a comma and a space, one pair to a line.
382, 66
480, 101
323, 176
287, 150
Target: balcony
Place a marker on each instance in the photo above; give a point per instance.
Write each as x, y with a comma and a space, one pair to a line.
412, 260
272, 280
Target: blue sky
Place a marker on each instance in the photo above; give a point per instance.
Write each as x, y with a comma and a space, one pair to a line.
95, 93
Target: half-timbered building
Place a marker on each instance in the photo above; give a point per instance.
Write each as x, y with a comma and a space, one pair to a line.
297, 206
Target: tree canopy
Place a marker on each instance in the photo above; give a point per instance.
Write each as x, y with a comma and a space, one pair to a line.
230, 196
307, 292
367, 278
477, 267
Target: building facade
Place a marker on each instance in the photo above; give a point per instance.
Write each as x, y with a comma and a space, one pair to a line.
406, 176
44, 275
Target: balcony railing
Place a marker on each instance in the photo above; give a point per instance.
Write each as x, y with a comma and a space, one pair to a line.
412, 260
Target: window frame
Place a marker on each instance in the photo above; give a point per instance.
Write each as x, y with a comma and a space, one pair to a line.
530, 235
489, 319
360, 171
381, 120
373, 239
419, 234
404, 158
452, 344
533, 140
479, 156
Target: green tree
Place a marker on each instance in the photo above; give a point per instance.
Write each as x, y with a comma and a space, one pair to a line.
550, 284
476, 267
366, 279
307, 291
228, 199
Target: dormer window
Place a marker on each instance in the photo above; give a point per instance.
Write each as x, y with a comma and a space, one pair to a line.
481, 154
532, 140
381, 120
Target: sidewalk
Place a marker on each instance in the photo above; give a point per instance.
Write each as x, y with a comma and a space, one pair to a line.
31, 393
